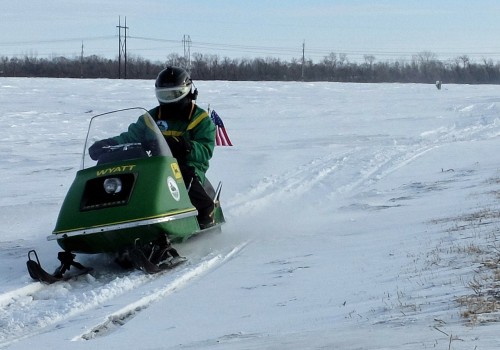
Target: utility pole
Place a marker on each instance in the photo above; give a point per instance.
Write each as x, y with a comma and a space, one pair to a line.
122, 48
81, 62
303, 58
186, 41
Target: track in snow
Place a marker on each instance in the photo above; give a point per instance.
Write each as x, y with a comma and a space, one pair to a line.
349, 172
37, 308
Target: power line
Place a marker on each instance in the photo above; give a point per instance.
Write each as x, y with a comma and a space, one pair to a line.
289, 51
154, 39
52, 41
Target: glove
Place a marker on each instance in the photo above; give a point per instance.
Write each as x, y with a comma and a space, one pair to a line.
179, 146
97, 148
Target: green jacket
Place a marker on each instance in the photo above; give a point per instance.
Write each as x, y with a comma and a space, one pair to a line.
198, 129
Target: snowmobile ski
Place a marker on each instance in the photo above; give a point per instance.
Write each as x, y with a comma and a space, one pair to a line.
37, 272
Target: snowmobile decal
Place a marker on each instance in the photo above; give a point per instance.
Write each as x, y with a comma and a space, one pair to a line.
176, 170
174, 189
117, 169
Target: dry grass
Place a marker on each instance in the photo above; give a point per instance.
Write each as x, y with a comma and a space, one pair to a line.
482, 305
474, 238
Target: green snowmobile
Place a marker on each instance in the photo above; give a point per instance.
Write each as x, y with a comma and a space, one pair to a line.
132, 202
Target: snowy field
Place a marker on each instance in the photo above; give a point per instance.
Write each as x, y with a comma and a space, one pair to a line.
360, 216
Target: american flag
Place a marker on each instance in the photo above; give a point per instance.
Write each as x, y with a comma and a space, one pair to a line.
221, 138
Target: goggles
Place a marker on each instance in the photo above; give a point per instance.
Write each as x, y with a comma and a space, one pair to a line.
173, 94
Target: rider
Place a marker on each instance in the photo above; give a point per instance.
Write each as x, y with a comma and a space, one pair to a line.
188, 130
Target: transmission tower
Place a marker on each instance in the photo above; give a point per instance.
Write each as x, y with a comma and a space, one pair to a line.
122, 48
186, 42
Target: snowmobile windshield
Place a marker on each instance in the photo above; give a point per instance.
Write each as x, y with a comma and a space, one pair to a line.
122, 135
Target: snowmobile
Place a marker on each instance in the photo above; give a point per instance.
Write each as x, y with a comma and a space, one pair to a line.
131, 202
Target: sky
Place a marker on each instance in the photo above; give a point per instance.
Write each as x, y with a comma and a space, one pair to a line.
387, 29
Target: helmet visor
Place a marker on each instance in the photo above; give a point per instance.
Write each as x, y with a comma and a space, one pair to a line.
172, 94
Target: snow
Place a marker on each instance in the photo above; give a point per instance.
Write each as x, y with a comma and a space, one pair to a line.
360, 216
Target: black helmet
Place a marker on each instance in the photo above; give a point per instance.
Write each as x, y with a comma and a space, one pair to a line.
173, 84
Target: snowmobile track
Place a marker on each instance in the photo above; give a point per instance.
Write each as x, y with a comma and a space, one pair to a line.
363, 164
127, 312
29, 311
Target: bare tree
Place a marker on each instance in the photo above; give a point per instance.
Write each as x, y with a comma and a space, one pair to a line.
330, 60
464, 59
425, 57
342, 59
369, 59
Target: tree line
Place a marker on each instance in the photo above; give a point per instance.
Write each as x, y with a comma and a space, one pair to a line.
424, 67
